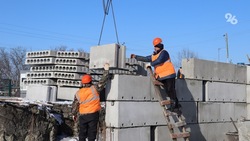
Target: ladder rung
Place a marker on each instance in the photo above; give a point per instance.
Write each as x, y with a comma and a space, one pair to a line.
168, 113
177, 124
180, 135
165, 102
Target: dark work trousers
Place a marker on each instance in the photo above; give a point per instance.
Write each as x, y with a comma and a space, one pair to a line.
169, 85
88, 126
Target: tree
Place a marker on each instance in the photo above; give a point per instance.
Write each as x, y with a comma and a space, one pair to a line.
12, 61
184, 54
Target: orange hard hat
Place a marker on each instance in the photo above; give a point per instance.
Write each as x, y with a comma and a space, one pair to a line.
86, 79
156, 41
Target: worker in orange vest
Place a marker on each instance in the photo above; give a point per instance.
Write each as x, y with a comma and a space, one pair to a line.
163, 69
180, 75
87, 105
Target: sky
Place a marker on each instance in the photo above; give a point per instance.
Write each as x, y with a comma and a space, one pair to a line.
195, 25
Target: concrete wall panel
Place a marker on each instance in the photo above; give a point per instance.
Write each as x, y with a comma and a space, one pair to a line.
189, 111
220, 112
66, 93
248, 74
131, 114
218, 91
189, 90
129, 87
128, 134
216, 71
211, 131
41, 92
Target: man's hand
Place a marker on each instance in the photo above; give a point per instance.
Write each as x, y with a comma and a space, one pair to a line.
106, 66
132, 56
74, 118
147, 65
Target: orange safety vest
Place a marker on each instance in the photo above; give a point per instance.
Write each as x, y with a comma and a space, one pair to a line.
89, 100
163, 69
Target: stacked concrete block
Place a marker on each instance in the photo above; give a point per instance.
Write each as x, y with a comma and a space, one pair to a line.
57, 68
113, 54
131, 107
212, 94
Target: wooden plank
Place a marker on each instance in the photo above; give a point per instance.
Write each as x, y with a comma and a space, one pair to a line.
180, 135
165, 102
177, 124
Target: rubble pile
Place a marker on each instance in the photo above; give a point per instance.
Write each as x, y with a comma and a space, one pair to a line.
25, 121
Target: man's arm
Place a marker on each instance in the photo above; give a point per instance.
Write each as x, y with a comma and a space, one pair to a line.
75, 106
102, 83
142, 58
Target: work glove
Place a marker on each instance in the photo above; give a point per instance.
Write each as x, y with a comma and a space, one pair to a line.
74, 118
106, 66
147, 65
132, 56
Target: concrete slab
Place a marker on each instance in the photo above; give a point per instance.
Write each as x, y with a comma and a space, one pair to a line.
69, 61
248, 93
189, 111
133, 114
211, 131
72, 54
43, 53
39, 61
225, 92
215, 71
41, 93
111, 53
129, 87
189, 90
66, 93
128, 134
248, 74
244, 131
220, 112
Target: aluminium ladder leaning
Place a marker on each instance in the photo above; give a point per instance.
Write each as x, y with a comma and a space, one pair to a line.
175, 120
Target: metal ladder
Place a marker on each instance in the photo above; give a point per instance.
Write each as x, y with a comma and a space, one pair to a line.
175, 120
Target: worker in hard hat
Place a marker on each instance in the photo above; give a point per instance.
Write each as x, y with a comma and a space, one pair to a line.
180, 74
87, 105
163, 69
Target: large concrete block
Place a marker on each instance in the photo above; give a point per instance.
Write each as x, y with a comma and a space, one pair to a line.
41, 93
189, 90
189, 111
215, 71
66, 93
248, 74
113, 54
128, 134
219, 91
220, 112
129, 87
132, 114
248, 93
244, 131
211, 131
